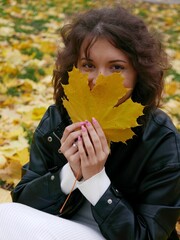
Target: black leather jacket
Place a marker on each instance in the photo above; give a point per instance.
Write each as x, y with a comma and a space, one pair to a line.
144, 174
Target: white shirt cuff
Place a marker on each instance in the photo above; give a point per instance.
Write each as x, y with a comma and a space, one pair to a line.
94, 187
67, 179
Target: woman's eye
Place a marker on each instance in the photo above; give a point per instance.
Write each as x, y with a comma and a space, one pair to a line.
87, 66
117, 68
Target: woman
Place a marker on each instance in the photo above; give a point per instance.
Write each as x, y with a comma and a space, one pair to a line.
127, 191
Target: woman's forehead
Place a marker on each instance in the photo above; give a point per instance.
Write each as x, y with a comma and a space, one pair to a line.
89, 41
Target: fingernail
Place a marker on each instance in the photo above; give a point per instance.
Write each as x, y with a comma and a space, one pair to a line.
82, 123
79, 138
83, 128
87, 123
94, 120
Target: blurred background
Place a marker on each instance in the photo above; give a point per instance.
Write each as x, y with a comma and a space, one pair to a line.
28, 43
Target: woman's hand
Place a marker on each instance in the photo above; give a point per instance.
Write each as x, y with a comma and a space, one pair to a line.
93, 149
69, 147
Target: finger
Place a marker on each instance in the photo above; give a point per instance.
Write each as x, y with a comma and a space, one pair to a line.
72, 155
70, 140
74, 159
70, 145
87, 143
82, 152
70, 151
75, 164
94, 137
89, 166
69, 129
101, 135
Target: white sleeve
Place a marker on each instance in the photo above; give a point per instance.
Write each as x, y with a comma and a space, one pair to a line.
94, 187
67, 179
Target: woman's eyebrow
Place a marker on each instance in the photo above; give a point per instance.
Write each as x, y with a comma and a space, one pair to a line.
84, 58
117, 60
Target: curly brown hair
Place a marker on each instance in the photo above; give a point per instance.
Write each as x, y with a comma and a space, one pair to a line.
126, 32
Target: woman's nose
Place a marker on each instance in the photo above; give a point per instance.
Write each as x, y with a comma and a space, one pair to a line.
92, 77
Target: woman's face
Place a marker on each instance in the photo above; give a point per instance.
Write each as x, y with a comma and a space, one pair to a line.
105, 59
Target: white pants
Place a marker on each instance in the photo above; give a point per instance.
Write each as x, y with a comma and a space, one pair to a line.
20, 222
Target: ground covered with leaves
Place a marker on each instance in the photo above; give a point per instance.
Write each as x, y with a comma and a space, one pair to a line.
29, 41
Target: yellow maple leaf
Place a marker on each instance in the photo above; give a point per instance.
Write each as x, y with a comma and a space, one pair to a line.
7, 102
172, 87
22, 156
12, 173
38, 112
83, 104
15, 133
12, 147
